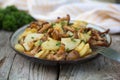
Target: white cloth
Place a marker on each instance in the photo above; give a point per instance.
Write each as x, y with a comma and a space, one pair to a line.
104, 14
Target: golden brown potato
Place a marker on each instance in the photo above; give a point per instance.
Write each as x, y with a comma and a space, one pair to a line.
19, 47
84, 51
42, 54
80, 46
60, 39
50, 44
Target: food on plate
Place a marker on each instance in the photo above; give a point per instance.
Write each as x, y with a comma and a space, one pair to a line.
60, 39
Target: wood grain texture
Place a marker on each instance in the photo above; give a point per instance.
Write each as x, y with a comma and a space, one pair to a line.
43, 72
6, 55
16, 67
20, 69
100, 68
23, 69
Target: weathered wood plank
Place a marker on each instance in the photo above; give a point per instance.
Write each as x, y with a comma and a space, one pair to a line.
20, 69
16, 67
23, 69
43, 72
6, 55
100, 68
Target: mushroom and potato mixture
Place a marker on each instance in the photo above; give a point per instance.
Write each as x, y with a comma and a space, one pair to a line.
59, 40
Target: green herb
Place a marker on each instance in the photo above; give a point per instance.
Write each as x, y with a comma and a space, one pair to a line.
70, 24
67, 49
70, 35
83, 41
63, 23
77, 28
40, 42
32, 37
52, 24
72, 39
11, 18
45, 31
85, 31
58, 44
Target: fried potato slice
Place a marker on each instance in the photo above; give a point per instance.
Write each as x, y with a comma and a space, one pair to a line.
42, 54
28, 45
39, 54
81, 36
89, 51
70, 43
79, 23
84, 50
32, 37
87, 37
51, 44
26, 32
80, 46
19, 47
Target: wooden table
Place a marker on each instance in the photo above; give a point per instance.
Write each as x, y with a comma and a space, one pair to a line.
16, 67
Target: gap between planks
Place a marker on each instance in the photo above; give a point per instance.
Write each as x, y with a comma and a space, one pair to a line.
100, 68
16, 67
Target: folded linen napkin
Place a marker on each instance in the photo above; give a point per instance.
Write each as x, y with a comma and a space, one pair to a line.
102, 14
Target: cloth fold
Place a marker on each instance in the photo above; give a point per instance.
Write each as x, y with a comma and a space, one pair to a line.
106, 15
